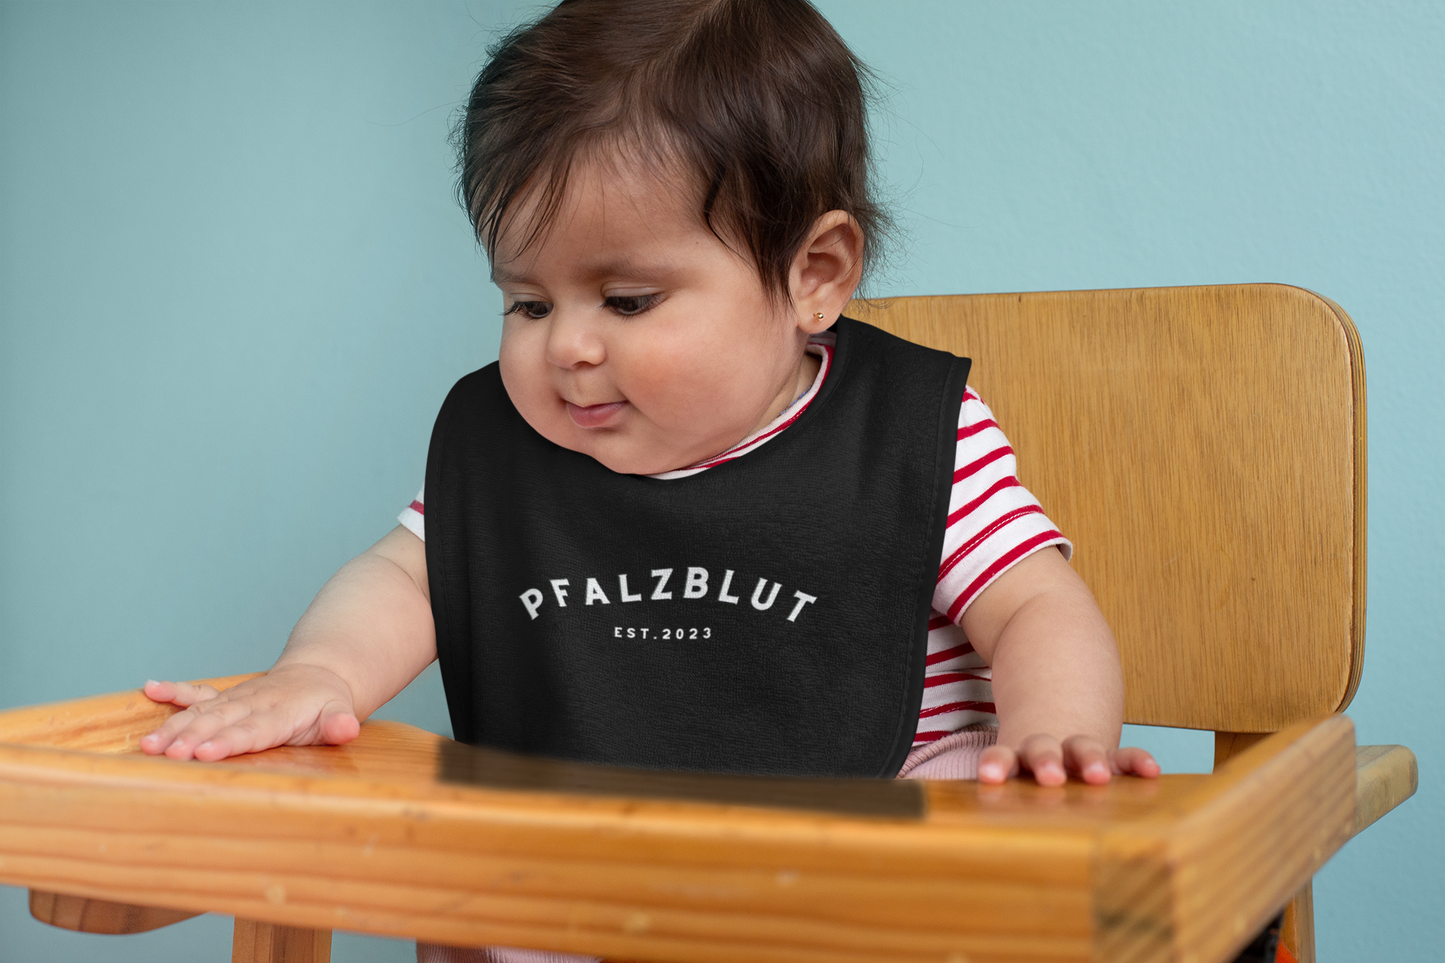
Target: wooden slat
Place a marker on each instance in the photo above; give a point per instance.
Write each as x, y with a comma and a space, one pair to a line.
368, 837
1227, 745
1204, 450
1197, 881
1297, 926
1385, 776
662, 881
254, 942
1358, 515
100, 916
1297, 930
109, 723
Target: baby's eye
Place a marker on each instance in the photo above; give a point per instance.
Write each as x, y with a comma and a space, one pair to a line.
531, 309
632, 304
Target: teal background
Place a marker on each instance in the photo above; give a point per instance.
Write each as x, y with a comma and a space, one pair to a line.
234, 289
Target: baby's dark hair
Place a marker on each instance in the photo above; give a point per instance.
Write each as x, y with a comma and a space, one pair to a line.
759, 101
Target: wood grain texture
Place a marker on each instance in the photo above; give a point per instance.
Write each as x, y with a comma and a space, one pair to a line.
367, 837
1385, 776
100, 916
1359, 516
1189, 883
1297, 925
1203, 448
1227, 745
253, 942
108, 723
1297, 930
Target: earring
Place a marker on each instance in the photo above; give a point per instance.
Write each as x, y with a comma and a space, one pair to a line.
818, 315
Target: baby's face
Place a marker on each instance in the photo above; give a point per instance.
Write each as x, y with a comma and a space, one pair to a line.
634, 335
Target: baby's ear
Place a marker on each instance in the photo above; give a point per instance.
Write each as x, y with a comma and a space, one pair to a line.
826, 270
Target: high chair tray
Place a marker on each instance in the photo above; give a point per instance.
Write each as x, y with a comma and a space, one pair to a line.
407, 833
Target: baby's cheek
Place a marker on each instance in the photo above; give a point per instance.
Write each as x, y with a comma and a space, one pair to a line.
686, 406
522, 346
703, 380
531, 392
659, 379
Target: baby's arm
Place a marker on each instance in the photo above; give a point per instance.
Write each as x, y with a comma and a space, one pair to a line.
1057, 683
365, 636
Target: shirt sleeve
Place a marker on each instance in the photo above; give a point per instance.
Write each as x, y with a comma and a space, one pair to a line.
993, 521
413, 516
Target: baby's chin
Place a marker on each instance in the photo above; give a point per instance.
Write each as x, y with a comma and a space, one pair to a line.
625, 459
623, 451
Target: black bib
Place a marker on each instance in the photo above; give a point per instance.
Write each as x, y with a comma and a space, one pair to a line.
769, 615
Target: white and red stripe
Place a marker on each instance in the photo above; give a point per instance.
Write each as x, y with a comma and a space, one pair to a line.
993, 523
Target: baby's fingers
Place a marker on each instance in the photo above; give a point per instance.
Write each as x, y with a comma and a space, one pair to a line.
250, 733
337, 725
997, 764
178, 693
1044, 757
196, 700
1088, 759
1134, 761
186, 730
334, 724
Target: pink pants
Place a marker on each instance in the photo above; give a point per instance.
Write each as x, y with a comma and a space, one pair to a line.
953, 757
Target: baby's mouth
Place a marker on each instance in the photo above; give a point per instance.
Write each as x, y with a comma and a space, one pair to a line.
595, 416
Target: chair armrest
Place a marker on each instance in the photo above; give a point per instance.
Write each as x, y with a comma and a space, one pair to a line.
1385, 776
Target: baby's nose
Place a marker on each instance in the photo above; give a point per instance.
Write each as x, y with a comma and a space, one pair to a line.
573, 341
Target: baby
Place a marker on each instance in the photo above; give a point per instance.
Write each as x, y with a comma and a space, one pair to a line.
693, 518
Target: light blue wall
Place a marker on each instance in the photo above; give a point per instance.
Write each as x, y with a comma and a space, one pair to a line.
234, 289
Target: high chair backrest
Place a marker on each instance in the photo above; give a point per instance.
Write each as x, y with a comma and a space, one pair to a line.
1204, 450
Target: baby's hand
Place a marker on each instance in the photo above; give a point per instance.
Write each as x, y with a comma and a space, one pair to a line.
292, 705
1051, 762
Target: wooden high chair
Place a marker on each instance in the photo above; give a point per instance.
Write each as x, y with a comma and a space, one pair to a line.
1204, 448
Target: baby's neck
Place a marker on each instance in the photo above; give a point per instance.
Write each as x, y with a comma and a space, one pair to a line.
809, 368
807, 373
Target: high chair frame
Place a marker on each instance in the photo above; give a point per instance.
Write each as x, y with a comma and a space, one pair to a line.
1204, 449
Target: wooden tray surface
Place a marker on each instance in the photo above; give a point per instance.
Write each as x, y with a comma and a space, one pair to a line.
407, 833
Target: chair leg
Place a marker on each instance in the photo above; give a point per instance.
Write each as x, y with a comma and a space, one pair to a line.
1298, 932
1265, 947
269, 943
100, 916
